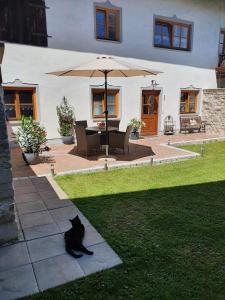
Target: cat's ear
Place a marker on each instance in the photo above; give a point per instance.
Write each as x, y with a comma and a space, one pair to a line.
71, 221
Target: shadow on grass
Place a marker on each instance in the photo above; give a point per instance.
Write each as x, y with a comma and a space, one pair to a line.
171, 241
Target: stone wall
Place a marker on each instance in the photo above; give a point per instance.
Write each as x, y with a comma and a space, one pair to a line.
8, 227
213, 110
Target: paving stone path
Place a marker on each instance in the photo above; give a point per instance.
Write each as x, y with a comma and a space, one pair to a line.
38, 261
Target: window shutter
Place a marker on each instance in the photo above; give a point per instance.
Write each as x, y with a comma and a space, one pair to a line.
118, 25
4, 20
37, 23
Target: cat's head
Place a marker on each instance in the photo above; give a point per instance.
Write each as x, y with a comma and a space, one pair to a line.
76, 221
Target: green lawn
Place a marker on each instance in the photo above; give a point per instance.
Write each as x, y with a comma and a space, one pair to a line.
166, 222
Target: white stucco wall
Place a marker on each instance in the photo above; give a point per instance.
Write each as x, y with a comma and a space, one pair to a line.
71, 25
30, 65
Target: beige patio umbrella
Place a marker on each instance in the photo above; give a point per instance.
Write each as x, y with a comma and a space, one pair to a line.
106, 66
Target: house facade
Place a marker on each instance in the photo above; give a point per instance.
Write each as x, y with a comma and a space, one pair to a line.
185, 40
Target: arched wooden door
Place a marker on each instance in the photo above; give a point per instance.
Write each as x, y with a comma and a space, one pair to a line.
149, 112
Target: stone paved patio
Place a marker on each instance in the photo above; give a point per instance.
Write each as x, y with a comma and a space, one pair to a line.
38, 260
66, 159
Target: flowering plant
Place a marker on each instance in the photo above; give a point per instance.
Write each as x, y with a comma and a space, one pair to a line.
136, 124
30, 135
66, 118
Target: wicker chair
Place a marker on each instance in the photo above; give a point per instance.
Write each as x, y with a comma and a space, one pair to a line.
86, 143
85, 125
82, 123
111, 123
119, 139
114, 123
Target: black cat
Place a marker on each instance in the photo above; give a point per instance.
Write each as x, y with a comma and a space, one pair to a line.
74, 237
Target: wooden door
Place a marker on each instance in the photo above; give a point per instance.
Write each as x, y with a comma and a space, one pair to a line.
149, 115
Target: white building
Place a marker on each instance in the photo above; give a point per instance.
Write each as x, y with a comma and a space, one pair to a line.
183, 39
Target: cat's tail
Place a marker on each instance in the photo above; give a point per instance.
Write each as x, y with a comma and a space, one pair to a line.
70, 251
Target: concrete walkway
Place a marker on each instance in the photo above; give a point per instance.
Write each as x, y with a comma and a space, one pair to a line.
38, 260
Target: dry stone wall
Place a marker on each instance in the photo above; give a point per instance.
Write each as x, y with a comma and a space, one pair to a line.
213, 110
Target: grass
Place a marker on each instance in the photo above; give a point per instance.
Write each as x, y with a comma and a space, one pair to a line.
166, 222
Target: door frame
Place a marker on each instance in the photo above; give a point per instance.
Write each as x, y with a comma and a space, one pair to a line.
160, 111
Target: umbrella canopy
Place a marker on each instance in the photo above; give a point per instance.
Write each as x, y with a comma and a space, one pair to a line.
103, 67
100, 65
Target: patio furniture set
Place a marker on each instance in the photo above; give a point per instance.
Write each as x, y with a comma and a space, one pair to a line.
94, 138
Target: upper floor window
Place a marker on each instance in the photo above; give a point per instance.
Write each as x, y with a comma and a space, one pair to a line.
222, 42
188, 102
20, 102
98, 103
172, 35
23, 21
107, 24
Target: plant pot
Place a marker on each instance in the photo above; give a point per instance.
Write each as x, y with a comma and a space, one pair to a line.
134, 135
29, 158
67, 140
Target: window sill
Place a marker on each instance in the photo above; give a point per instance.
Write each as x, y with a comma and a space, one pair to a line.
171, 48
95, 120
108, 41
187, 114
17, 122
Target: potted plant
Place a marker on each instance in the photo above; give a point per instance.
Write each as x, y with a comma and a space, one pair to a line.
30, 137
65, 113
136, 126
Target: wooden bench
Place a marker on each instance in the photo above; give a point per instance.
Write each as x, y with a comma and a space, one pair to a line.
191, 124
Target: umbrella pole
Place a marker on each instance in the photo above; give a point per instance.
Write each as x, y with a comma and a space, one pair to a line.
106, 114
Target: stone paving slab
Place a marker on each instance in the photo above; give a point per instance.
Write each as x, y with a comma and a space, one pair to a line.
30, 207
104, 257
13, 256
52, 203
40, 261
30, 197
35, 232
35, 219
64, 213
46, 247
61, 269
18, 282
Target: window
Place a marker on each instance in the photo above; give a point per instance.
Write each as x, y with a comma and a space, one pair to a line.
20, 102
108, 24
172, 35
23, 21
98, 103
188, 102
222, 43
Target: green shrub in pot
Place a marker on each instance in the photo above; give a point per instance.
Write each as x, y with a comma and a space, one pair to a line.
65, 113
136, 126
30, 137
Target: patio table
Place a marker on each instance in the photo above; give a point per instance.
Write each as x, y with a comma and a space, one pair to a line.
101, 129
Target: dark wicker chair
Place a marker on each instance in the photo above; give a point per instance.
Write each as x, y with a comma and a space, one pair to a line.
85, 125
114, 123
120, 140
111, 123
82, 123
85, 142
